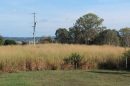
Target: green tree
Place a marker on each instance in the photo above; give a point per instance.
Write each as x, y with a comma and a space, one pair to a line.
125, 36
62, 35
76, 35
86, 28
89, 36
90, 21
1, 40
10, 42
109, 37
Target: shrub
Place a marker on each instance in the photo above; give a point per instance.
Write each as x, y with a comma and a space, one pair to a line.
110, 64
24, 43
127, 54
75, 60
45, 40
9, 42
1, 40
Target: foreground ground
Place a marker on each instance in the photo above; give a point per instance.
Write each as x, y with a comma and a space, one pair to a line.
66, 78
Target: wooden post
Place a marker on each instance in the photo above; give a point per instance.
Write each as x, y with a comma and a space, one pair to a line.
126, 63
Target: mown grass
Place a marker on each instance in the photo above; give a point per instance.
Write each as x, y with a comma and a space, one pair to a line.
66, 78
50, 56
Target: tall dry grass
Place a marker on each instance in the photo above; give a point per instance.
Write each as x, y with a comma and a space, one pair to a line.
50, 56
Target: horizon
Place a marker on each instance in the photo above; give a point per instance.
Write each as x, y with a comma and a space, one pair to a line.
16, 19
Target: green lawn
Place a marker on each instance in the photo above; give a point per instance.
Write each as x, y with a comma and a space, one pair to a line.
66, 78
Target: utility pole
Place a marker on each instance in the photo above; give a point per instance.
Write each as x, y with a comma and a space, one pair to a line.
34, 28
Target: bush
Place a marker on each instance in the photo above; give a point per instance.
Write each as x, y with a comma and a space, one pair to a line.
75, 60
45, 40
127, 54
110, 64
1, 40
118, 64
24, 43
9, 42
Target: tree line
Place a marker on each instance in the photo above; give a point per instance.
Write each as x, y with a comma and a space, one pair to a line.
89, 30
7, 41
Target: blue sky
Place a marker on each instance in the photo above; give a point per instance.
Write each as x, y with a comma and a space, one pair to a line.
16, 18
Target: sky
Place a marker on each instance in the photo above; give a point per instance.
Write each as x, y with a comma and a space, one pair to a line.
16, 19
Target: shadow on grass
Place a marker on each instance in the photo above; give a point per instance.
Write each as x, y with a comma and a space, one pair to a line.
111, 72
121, 73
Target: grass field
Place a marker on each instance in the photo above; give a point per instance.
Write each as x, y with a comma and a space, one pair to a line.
32, 66
66, 78
47, 56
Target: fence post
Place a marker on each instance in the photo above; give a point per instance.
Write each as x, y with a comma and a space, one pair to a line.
126, 62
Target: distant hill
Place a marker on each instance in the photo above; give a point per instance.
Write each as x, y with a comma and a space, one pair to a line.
21, 38
26, 39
